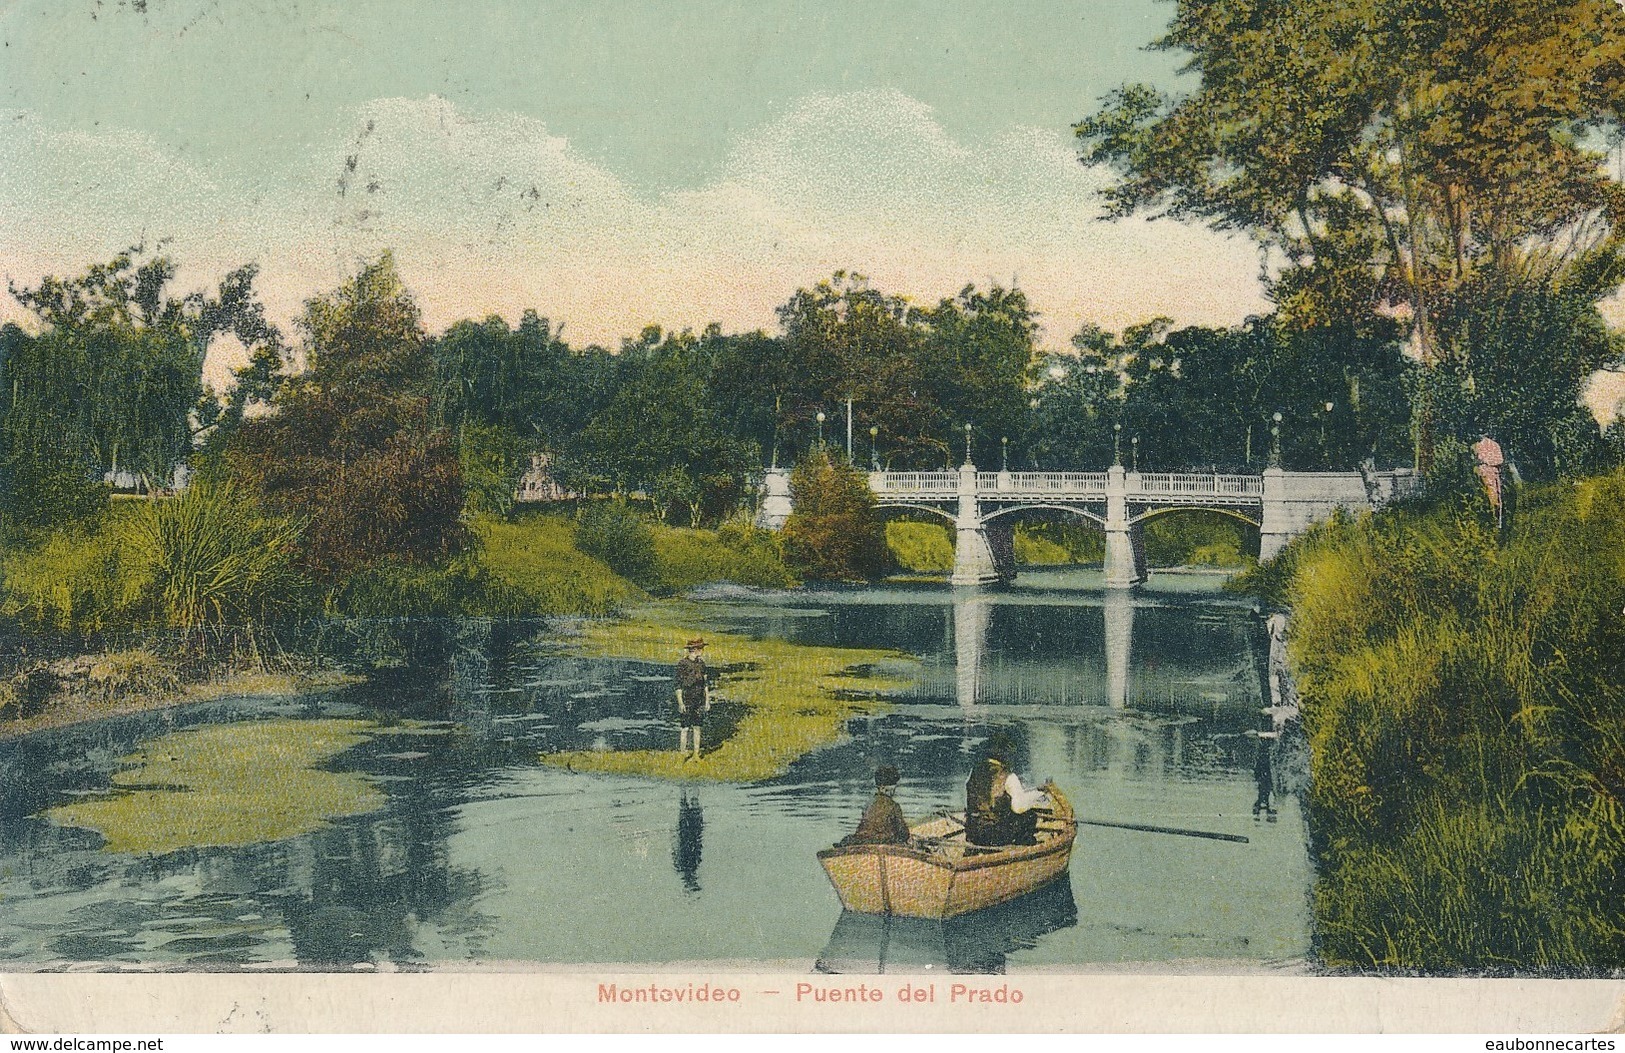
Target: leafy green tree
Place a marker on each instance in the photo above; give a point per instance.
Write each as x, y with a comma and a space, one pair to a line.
834, 533
1399, 155
113, 380
977, 353
661, 420
351, 449
845, 339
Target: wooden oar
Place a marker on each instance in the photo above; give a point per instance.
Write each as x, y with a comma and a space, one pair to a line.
1211, 835
1143, 827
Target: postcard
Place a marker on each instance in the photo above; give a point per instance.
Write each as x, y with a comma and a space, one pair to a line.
836, 516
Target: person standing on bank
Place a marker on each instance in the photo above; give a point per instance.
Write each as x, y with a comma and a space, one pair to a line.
882, 822
693, 697
998, 809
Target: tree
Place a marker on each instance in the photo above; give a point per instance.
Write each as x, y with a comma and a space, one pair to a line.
506, 394
834, 533
845, 339
351, 449
661, 420
1398, 155
977, 353
113, 381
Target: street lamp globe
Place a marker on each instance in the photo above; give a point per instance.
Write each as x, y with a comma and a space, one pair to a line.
1328, 407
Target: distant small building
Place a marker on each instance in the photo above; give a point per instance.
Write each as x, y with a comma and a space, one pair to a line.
538, 484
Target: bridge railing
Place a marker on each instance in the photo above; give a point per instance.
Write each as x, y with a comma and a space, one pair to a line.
1042, 483
916, 482
1196, 484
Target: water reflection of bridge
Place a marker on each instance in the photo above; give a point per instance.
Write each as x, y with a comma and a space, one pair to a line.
1054, 675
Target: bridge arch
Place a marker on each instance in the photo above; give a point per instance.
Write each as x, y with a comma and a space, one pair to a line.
892, 509
1162, 510
1073, 510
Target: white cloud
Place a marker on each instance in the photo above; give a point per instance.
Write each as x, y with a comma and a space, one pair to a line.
494, 213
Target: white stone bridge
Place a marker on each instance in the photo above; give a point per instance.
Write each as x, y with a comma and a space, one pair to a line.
984, 506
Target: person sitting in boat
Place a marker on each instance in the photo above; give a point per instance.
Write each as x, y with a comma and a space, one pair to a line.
882, 822
998, 809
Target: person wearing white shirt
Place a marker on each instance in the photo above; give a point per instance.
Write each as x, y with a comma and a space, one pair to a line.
999, 810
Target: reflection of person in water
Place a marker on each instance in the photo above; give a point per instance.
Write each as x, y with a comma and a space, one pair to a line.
685, 850
882, 822
1264, 772
998, 809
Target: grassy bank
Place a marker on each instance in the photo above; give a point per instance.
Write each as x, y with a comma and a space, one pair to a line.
163, 603
1464, 696
794, 698
110, 684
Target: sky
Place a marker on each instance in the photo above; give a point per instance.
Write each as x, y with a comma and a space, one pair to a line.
611, 164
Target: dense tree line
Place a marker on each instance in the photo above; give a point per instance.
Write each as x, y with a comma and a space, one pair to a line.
1442, 164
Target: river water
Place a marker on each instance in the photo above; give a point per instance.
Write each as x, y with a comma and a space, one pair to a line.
478, 856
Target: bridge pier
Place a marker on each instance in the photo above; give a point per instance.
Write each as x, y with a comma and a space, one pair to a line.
1125, 561
973, 556
1001, 541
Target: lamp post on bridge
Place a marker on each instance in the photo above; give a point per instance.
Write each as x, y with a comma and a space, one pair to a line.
1134, 454
1117, 445
849, 429
1033, 440
874, 448
1275, 440
1004, 453
1325, 454
820, 429
967, 443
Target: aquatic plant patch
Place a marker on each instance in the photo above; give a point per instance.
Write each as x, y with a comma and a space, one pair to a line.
796, 698
229, 785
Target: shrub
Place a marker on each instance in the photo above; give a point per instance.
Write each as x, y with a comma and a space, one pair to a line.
612, 532
399, 589
923, 548
534, 568
73, 582
833, 533
686, 558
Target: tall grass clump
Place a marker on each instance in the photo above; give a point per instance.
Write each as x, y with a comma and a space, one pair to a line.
211, 561
1464, 697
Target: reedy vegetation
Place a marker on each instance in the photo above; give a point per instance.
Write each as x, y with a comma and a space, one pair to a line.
1464, 697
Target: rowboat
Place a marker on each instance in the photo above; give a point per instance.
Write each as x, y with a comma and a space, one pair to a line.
938, 875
